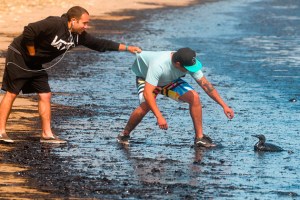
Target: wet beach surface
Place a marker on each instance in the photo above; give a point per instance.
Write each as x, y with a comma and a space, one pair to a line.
250, 50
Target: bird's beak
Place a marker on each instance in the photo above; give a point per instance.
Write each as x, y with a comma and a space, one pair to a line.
255, 136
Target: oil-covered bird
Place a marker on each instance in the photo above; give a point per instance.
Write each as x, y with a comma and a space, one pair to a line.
261, 145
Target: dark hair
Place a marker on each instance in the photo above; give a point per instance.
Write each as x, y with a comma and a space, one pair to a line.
185, 56
76, 12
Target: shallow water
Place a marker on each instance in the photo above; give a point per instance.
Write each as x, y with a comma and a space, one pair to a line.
250, 50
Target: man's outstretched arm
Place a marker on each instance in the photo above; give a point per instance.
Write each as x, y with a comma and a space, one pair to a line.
131, 49
213, 93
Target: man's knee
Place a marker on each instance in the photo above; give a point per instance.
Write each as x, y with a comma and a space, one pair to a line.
44, 96
191, 97
144, 107
10, 96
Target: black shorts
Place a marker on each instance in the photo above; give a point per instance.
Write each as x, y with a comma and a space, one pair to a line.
16, 79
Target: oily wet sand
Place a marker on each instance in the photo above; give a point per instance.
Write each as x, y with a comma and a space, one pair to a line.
95, 94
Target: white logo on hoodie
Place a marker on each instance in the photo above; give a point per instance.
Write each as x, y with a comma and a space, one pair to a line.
61, 44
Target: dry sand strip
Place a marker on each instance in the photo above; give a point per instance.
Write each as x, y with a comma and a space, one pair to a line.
15, 14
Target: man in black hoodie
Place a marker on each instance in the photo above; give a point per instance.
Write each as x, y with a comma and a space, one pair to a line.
40, 43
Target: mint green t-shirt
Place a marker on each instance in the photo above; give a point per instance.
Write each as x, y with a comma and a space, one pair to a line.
157, 69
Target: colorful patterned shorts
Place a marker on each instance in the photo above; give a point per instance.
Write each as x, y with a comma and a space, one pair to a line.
173, 90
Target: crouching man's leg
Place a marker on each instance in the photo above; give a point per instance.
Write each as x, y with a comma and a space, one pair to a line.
135, 118
195, 107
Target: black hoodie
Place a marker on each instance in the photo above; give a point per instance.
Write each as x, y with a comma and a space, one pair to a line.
51, 38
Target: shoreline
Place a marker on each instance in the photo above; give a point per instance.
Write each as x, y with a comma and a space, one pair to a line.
243, 50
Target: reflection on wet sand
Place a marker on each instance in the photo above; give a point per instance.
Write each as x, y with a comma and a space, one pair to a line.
198, 155
156, 170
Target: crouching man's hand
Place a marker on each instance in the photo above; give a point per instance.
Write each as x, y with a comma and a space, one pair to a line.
228, 112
